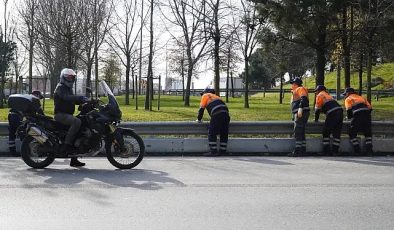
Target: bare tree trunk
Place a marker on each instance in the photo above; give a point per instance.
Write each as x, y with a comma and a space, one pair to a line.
188, 84
246, 101
369, 73
346, 47
281, 89
338, 88
148, 98
183, 78
216, 49
128, 64
232, 85
140, 69
360, 73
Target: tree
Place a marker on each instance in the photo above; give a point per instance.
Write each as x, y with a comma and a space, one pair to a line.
306, 23
149, 77
7, 49
60, 25
95, 28
178, 64
375, 15
124, 37
112, 71
252, 24
188, 16
28, 13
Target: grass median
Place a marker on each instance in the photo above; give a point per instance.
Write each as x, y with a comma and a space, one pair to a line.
261, 109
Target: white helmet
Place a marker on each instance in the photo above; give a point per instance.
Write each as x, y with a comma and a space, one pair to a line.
67, 77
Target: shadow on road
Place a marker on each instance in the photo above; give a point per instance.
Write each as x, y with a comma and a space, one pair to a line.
367, 161
263, 160
136, 178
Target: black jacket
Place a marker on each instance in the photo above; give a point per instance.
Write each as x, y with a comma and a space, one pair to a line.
65, 100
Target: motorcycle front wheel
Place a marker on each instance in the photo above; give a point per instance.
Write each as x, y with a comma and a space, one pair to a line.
33, 155
130, 155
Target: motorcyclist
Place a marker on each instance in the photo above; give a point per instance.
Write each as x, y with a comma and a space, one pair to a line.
65, 102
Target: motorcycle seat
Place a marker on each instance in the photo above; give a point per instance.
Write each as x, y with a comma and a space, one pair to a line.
53, 124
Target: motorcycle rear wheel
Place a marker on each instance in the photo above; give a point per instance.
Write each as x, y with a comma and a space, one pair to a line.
132, 153
31, 155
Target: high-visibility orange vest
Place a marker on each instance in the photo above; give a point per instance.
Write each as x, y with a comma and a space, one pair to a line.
299, 99
357, 103
213, 103
326, 103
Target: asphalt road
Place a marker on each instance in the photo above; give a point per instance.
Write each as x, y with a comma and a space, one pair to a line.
201, 193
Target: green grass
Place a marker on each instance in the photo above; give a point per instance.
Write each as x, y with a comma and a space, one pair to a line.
261, 109
385, 71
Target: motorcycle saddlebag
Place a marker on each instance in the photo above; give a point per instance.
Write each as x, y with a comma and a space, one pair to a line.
24, 103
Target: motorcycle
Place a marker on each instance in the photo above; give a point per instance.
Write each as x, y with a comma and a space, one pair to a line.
43, 136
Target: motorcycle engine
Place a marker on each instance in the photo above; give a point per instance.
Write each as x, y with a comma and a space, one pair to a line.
88, 142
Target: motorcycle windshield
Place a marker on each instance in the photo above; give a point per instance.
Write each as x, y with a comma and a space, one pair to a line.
112, 107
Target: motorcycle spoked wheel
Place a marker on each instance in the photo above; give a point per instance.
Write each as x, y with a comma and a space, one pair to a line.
132, 153
31, 155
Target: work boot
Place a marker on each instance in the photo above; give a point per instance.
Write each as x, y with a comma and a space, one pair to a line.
369, 150
335, 150
222, 152
357, 149
13, 152
211, 153
303, 151
76, 163
326, 150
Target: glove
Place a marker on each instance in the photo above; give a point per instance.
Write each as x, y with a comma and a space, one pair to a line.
84, 99
299, 112
199, 121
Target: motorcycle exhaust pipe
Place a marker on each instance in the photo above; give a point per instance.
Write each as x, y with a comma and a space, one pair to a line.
37, 134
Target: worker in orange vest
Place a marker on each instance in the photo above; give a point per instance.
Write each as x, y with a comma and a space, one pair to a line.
219, 123
358, 109
334, 119
300, 109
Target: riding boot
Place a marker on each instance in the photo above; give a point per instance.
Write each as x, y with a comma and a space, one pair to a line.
76, 163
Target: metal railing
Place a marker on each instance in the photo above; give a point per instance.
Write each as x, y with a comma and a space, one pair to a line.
236, 127
169, 137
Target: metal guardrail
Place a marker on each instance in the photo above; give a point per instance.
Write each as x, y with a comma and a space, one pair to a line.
236, 127
159, 137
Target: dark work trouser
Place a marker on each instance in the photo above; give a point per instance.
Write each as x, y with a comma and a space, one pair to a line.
333, 125
73, 122
218, 126
361, 123
299, 131
14, 121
